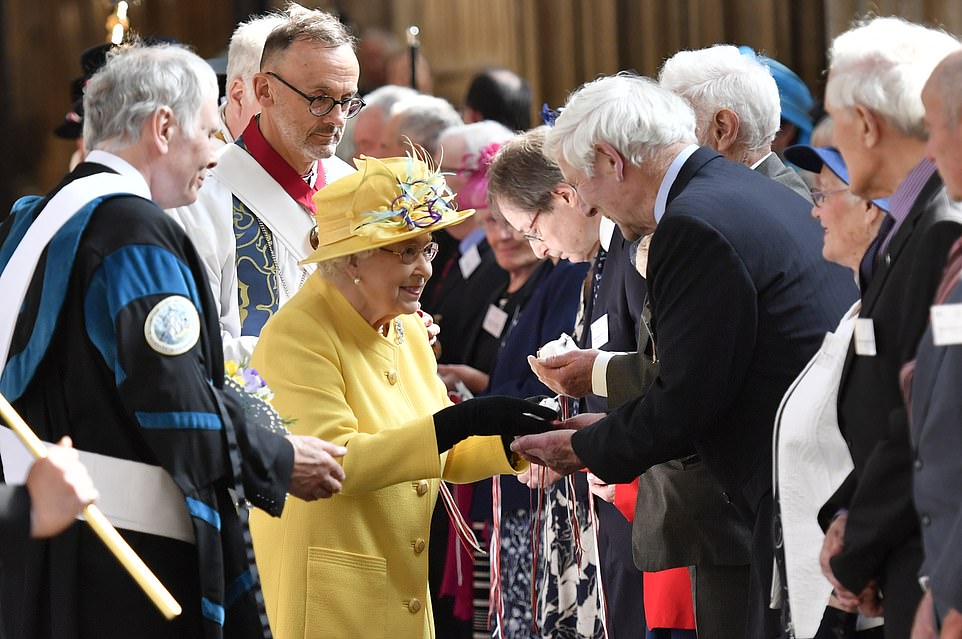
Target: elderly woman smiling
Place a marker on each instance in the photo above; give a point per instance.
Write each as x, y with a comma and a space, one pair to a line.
349, 361
810, 456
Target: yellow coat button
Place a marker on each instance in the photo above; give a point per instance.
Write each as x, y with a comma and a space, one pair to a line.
419, 545
391, 377
423, 487
414, 605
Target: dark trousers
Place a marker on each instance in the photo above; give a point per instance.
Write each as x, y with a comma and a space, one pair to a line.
762, 622
720, 595
621, 579
900, 586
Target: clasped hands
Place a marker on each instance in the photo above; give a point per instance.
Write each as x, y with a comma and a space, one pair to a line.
869, 600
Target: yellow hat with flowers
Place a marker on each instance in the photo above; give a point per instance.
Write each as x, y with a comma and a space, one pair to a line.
386, 201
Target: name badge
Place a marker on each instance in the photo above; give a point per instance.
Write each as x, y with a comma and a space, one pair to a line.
599, 331
946, 324
865, 337
469, 262
494, 321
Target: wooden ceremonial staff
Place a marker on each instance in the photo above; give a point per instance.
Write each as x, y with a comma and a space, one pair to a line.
134, 565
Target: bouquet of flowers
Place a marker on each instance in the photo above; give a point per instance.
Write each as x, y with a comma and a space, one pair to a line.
255, 397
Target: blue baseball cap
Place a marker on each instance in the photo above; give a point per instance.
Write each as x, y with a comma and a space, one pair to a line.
813, 158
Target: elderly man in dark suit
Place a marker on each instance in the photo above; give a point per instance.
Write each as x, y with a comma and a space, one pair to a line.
736, 105
873, 95
935, 401
740, 298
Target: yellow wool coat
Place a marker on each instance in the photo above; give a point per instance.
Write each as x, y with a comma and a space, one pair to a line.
356, 565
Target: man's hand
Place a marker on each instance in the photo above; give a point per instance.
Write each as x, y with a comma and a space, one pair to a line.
59, 488
832, 545
532, 476
870, 601
568, 374
551, 449
317, 475
924, 625
952, 625
581, 420
600, 489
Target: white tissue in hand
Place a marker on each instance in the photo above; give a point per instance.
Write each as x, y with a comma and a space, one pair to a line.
554, 403
558, 346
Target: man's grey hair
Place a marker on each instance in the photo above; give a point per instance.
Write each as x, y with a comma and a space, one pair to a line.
522, 175
882, 64
307, 25
720, 77
423, 118
247, 46
630, 112
135, 82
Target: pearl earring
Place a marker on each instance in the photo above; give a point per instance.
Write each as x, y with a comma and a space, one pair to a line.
357, 280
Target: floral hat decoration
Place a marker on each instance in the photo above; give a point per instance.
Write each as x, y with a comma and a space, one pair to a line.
386, 201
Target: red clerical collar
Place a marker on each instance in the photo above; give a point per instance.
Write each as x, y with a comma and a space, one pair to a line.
279, 169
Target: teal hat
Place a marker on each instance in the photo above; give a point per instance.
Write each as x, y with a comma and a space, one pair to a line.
796, 100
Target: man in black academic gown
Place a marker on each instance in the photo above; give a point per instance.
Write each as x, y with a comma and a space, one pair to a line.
117, 345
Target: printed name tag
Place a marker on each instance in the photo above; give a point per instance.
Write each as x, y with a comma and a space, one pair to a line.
599, 331
946, 324
865, 337
469, 262
494, 321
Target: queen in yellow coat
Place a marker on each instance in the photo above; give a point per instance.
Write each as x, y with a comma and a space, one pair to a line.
349, 361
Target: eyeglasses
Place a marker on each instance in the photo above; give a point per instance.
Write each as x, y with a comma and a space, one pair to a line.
530, 234
819, 197
410, 254
321, 105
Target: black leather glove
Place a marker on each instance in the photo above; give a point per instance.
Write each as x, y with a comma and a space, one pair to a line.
494, 415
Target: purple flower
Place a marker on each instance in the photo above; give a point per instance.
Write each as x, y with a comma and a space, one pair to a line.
252, 380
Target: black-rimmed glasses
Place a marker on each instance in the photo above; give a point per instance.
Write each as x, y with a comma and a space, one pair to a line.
321, 105
410, 254
819, 197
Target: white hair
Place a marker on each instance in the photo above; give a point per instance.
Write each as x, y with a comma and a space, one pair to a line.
422, 118
387, 96
720, 77
630, 112
474, 137
247, 46
882, 64
135, 82
330, 269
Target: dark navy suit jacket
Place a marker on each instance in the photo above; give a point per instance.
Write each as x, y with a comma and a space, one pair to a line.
741, 299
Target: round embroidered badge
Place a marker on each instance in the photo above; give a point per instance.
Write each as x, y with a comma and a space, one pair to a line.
172, 326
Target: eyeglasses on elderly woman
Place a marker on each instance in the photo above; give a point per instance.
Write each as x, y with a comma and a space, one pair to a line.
819, 197
409, 254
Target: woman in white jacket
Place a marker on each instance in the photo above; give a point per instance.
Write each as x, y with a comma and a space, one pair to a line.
810, 456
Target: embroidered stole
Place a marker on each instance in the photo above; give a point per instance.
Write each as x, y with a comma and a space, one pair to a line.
272, 206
